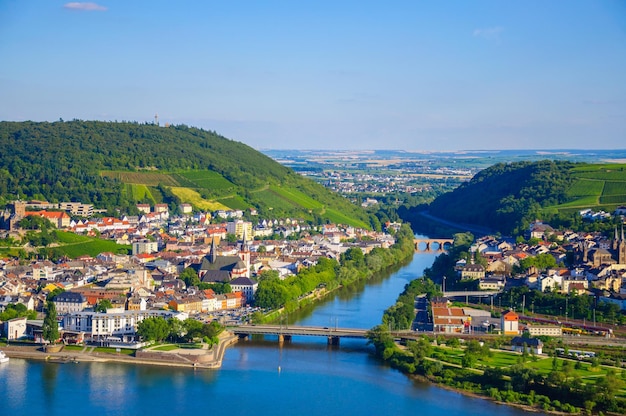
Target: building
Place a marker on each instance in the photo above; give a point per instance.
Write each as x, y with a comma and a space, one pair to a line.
69, 302
533, 345
221, 269
239, 228
57, 218
144, 208
246, 286
509, 322
99, 325
77, 208
145, 247
186, 208
547, 330
472, 272
13, 214
14, 329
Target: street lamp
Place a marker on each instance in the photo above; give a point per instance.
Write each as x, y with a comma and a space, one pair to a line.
444, 286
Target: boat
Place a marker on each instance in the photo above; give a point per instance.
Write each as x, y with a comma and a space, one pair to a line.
3, 357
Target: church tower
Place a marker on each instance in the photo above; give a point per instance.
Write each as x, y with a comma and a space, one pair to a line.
244, 253
621, 249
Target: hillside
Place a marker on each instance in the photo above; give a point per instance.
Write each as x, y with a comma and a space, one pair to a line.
116, 165
507, 197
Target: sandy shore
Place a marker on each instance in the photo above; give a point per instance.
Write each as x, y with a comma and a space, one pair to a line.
176, 358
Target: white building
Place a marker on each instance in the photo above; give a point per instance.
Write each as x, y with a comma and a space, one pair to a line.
101, 325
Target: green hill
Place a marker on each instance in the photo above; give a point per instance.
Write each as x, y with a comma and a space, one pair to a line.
507, 197
116, 165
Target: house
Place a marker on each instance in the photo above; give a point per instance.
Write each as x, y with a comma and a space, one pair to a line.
145, 208
472, 272
509, 322
521, 344
540, 230
186, 208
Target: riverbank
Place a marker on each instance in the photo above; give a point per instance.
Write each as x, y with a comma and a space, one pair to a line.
200, 358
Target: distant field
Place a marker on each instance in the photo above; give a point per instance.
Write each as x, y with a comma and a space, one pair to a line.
586, 187
598, 187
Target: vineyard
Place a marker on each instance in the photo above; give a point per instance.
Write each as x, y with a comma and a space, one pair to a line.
598, 187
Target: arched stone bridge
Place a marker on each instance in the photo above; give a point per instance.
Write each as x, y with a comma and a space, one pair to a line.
433, 244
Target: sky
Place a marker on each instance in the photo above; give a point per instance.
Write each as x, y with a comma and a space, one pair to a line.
409, 75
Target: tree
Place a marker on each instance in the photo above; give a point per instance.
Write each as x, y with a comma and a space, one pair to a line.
50, 327
103, 305
153, 329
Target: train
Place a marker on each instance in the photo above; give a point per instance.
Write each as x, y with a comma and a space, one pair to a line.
571, 328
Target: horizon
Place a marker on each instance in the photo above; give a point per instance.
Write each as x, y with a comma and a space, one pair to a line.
351, 75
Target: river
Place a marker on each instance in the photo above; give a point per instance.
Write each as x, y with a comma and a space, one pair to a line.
304, 377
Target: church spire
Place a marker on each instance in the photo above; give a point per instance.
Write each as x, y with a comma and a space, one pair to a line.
213, 251
244, 245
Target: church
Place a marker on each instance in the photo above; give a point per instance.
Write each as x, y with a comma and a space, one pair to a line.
600, 256
215, 268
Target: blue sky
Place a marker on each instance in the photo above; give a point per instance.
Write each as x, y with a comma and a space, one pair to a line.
414, 75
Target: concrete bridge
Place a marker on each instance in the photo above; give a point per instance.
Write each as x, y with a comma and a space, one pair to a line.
285, 332
442, 244
477, 293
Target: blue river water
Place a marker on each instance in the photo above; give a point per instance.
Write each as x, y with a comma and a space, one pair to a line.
304, 377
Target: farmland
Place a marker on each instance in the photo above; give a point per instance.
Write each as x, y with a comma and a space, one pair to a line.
598, 187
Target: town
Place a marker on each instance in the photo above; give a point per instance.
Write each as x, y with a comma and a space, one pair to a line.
225, 252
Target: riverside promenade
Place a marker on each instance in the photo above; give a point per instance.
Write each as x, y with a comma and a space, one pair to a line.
180, 357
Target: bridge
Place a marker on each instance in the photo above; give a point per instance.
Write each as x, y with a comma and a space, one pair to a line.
285, 332
433, 244
474, 293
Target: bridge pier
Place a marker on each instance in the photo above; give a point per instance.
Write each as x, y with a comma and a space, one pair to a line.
332, 340
284, 338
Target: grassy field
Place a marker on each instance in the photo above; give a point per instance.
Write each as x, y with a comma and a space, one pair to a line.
297, 197
340, 218
74, 245
194, 198
275, 200
208, 180
543, 364
234, 202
